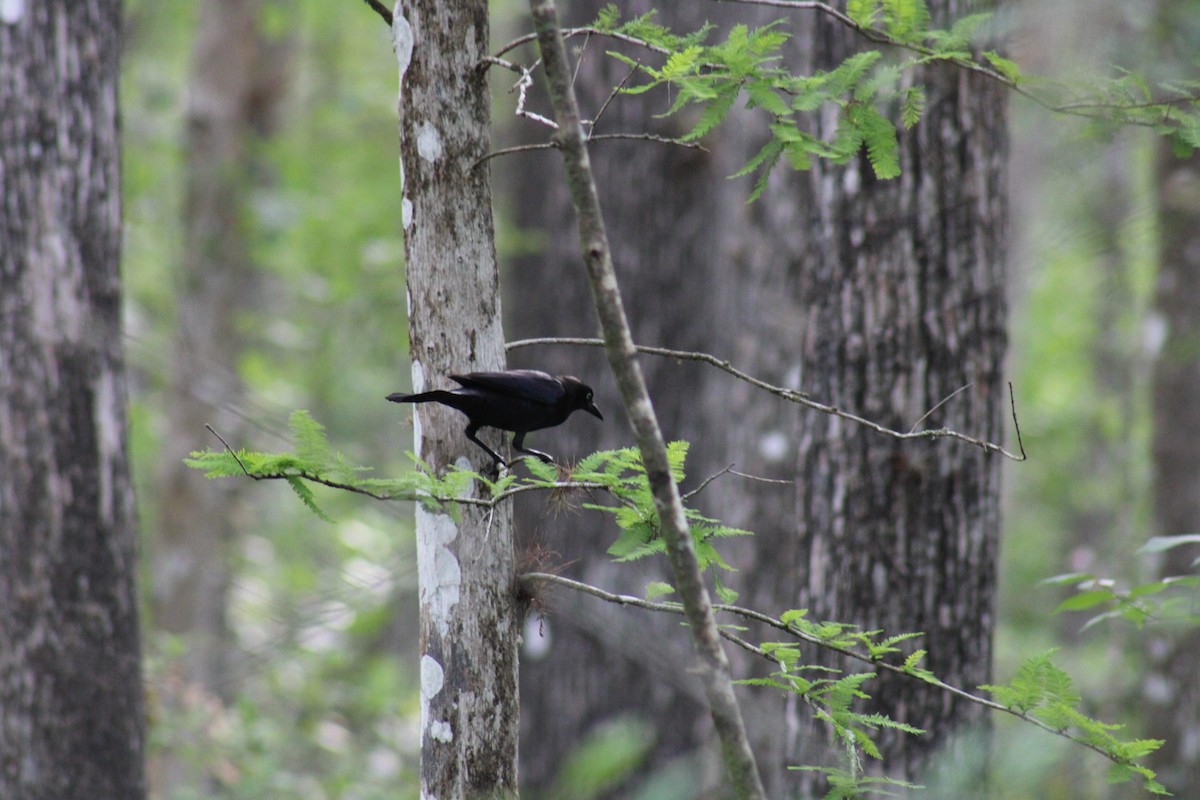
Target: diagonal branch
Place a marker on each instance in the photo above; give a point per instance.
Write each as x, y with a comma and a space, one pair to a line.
713, 666
755, 616
382, 10
802, 398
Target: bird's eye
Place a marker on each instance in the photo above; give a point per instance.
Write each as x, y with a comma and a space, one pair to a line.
589, 397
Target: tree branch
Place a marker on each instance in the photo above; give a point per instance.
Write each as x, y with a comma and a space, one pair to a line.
382, 10
622, 357
1086, 110
755, 616
802, 398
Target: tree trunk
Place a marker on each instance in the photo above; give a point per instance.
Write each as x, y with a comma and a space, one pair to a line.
235, 88
469, 610
71, 710
668, 210
1170, 689
900, 292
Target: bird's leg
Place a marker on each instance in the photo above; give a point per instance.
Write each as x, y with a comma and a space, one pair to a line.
471, 429
519, 446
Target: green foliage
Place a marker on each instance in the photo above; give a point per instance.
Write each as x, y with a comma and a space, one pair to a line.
867, 88
1044, 692
313, 460
606, 758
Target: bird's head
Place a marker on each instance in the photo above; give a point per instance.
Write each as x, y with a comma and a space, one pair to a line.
579, 396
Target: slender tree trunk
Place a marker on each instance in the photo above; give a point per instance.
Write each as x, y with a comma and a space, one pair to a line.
71, 711
234, 90
1171, 689
669, 211
469, 609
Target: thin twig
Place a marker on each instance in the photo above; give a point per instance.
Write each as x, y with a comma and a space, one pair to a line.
600, 137
615, 91
755, 616
381, 10
939, 404
799, 398
229, 449
761, 479
569, 33
704, 483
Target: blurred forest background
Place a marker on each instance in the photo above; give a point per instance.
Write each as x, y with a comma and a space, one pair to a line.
263, 267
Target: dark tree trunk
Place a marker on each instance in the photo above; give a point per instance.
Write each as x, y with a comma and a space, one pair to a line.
663, 209
900, 293
71, 711
469, 610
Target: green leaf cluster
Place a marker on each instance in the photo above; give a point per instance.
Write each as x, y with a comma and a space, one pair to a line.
866, 88
313, 460
622, 475
1044, 692
873, 94
1166, 600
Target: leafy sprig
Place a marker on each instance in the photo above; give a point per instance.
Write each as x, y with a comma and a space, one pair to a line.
874, 94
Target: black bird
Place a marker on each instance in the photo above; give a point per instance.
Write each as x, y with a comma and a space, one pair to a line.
519, 400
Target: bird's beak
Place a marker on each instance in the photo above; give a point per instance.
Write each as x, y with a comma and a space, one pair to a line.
595, 412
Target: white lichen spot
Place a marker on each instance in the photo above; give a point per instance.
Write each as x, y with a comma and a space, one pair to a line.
429, 143
441, 731
433, 678
402, 42
462, 462
406, 213
438, 571
418, 372
11, 11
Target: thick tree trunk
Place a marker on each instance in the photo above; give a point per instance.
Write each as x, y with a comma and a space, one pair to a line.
900, 289
469, 609
71, 711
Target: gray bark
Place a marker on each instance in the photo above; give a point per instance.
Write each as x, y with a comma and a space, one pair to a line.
71, 709
900, 293
468, 607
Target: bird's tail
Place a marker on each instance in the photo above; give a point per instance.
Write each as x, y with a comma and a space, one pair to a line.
437, 395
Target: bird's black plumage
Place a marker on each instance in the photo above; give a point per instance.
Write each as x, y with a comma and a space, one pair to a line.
518, 400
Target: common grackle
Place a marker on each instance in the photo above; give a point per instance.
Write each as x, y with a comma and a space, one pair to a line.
519, 400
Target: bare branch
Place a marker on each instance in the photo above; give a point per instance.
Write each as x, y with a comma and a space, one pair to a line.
938, 405
569, 33
382, 10
799, 398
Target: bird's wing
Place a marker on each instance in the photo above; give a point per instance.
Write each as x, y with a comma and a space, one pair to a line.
525, 384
